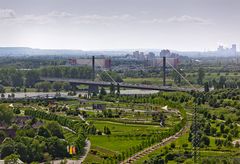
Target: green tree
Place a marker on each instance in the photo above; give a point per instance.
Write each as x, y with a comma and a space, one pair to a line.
6, 115
2, 135
56, 147
43, 86
112, 89
107, 130
22, 150
201, 75
2, 89
55, 129
32, 77
16, 79
206, 87
66, 86
57, 86
7, 149
222, 127
12, 159
205, 140
222, 81
118, 89
103, 91
42, 131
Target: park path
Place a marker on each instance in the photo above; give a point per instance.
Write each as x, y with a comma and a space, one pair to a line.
149, 150
82, 118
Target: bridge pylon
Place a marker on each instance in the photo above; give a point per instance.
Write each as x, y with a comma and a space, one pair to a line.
93, 68
164, 71
93, 88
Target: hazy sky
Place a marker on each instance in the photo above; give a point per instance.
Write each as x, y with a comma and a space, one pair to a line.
120, 24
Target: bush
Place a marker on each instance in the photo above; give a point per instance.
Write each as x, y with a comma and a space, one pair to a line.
16, 111
169, 157
184, 145
172, 145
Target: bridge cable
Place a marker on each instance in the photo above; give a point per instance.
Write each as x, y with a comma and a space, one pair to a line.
106, 73
181, 75
196, 137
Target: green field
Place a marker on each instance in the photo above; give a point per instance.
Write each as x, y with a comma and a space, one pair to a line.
123, 137
154, 81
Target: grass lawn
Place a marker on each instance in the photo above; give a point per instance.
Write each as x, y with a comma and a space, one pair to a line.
156, 81
179, 142
127, 129
123, 136
116, 144
69, 136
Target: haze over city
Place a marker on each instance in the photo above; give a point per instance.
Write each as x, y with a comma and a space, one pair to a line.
186, 25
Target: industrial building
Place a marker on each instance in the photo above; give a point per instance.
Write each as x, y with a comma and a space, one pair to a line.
99, 63
158, 62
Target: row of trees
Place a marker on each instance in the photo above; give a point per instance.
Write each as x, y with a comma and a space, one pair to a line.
28, 78
56, 86
75, 125
144, 144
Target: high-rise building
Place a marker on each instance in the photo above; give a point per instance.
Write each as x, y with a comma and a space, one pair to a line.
135, 54
227, 51
138, 55
234, 48
150, 56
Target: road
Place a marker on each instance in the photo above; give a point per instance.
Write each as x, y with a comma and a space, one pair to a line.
65, 94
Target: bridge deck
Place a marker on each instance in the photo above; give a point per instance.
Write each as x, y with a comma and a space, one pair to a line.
122, 85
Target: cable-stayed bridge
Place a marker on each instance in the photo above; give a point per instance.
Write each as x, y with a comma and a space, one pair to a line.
121, 85
93, 85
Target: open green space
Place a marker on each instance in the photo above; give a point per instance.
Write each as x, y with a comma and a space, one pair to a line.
153, 81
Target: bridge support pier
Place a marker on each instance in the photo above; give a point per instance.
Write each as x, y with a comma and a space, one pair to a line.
93, 89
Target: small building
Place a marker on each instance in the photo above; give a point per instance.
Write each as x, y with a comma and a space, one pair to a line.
99, 106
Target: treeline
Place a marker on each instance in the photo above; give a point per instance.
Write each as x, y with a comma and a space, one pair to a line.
172, 100
66, 72
219, 98
31, 62
223, 82
28, 78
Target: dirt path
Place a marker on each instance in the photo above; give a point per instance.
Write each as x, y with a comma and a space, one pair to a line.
149, 150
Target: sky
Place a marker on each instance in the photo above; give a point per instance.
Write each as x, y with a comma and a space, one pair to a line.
184, 25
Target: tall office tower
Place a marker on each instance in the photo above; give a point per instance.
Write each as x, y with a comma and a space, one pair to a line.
234, 48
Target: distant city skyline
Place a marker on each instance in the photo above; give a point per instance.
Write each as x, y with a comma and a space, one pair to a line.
186, 25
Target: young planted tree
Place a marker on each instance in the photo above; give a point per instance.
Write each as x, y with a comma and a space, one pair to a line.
201, 75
